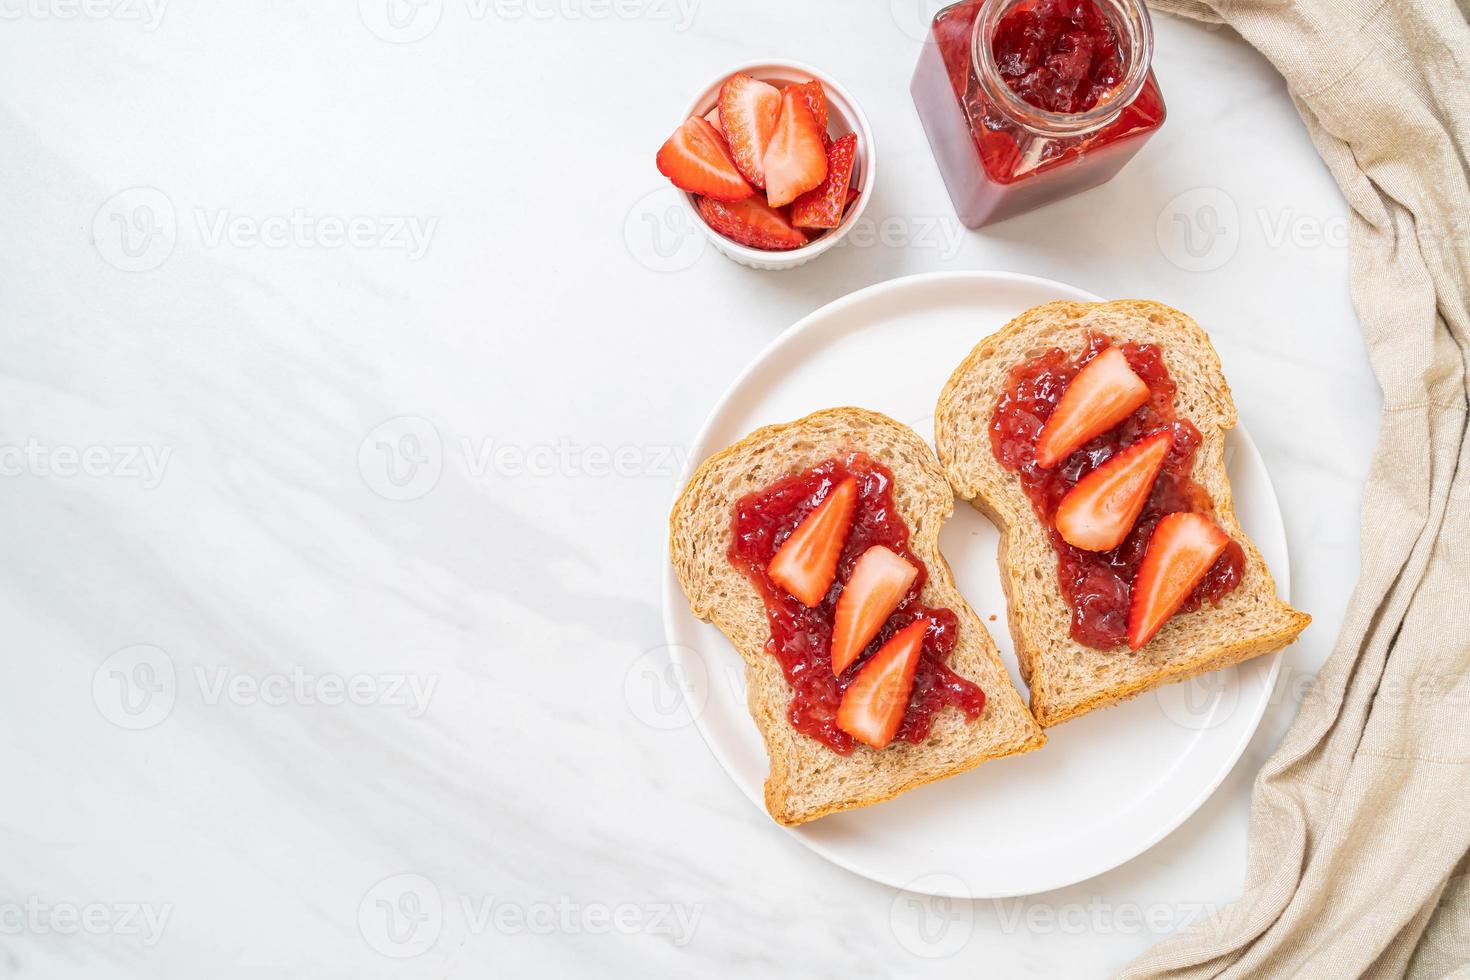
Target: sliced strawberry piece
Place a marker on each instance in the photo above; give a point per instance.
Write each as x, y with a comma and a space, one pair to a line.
1098, 513
823, 206
748, 112
806, 564
816, 101
751, 222
713, 118
696, 159
879, 581
796, 160
1181, 551
1105, 392
874, 703
852, 195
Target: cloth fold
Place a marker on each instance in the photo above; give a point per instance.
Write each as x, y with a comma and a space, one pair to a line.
1359, 859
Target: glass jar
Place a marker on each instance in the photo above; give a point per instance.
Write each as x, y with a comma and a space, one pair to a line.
999, 154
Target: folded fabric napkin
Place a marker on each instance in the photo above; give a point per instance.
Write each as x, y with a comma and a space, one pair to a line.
1360, 823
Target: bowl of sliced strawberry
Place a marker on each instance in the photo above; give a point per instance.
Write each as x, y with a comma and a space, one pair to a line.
776, 163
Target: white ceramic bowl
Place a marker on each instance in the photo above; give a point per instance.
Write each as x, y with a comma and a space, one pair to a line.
843, 116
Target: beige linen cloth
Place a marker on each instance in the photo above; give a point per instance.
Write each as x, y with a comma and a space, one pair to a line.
1360, 823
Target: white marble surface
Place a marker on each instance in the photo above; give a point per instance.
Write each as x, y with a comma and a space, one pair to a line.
216, 759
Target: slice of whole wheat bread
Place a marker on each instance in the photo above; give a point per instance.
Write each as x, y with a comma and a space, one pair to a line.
807, 779
1066, 678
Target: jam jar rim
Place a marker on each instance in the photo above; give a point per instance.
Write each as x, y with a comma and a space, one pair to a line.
1136, 35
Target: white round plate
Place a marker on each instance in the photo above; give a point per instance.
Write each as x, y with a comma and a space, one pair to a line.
1106, 786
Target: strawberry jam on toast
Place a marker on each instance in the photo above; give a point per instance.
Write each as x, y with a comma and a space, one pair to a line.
1103, 458
866, 661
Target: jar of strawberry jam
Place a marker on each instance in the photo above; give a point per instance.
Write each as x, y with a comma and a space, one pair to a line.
1028, 101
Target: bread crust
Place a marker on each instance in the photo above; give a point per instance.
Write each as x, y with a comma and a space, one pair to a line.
1067, 679
807, 780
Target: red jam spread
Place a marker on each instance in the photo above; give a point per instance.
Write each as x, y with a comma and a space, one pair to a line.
1098, 585
801, 638
1058, 55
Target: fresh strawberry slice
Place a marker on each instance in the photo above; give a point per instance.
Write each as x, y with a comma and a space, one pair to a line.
696, 159
751, 222
806, 564
874, 703
1105, 392
796, 160
748, 111
816, 101
823, 207
879, 581
713, 118
852, 195
1098, 513
1181, 551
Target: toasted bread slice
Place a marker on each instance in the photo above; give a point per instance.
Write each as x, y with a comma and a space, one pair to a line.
807, 779
1066, 678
